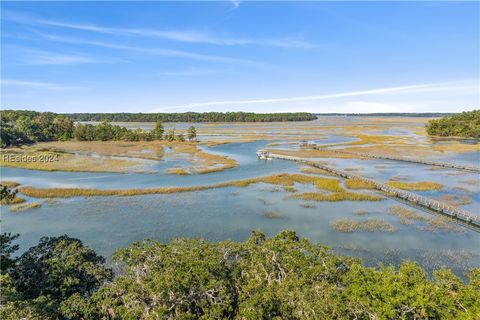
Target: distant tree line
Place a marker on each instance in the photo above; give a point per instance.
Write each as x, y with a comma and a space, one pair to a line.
389, 114
465, 124
283, 277
26, 127
192, 117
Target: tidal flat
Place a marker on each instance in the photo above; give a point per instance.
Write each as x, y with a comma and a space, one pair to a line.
212, 188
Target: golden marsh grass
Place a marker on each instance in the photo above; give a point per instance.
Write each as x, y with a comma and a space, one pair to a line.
337, 196
150, 150
455, 199
116, 156
358, 184
432, 224
417, 186
313, 170
15, 200
25, 206
283, 180
9, 184
370, 225
178, 171
68, 162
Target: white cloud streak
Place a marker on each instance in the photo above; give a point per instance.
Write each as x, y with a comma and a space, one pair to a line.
31, 57
150, 51
200, 37
459, 87
37, 85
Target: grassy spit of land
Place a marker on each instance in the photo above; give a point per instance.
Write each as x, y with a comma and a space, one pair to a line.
25, 206
417, 186
332, 186
349, 225
113, 156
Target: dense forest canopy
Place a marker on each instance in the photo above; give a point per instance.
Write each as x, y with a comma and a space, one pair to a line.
465, 124
283, 277
25, 127
192, 117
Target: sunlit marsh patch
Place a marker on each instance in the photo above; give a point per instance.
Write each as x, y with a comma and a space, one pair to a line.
25, 206
337, 196
370, 225
418, 186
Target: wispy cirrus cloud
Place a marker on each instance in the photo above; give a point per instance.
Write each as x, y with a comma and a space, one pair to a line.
188, 72
460, 87
37, 85
30, 57
188, 36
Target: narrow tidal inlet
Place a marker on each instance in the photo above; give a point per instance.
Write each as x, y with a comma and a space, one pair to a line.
107, 223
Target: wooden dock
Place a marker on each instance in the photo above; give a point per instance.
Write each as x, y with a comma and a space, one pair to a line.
422, 201
404, 159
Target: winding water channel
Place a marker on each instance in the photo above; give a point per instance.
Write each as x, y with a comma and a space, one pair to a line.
107, 223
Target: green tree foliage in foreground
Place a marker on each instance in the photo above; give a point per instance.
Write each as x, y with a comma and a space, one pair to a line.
283, 277
465, 124
7, 195
7, 248
35, 285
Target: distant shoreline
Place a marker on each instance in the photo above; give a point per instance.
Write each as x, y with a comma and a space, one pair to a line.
388, 114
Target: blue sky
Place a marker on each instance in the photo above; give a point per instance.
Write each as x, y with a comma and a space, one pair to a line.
240, 56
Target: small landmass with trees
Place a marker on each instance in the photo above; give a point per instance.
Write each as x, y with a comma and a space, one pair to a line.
465, 124
28, 127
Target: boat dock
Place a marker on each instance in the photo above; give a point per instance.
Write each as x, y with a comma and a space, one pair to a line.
404, 159
422, 201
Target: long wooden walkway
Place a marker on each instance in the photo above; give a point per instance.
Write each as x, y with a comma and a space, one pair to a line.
431, 204
405, 159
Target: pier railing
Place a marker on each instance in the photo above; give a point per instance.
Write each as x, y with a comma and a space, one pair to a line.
404, 159
435, 205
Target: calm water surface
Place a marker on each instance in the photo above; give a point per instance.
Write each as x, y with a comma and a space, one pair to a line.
107, 223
